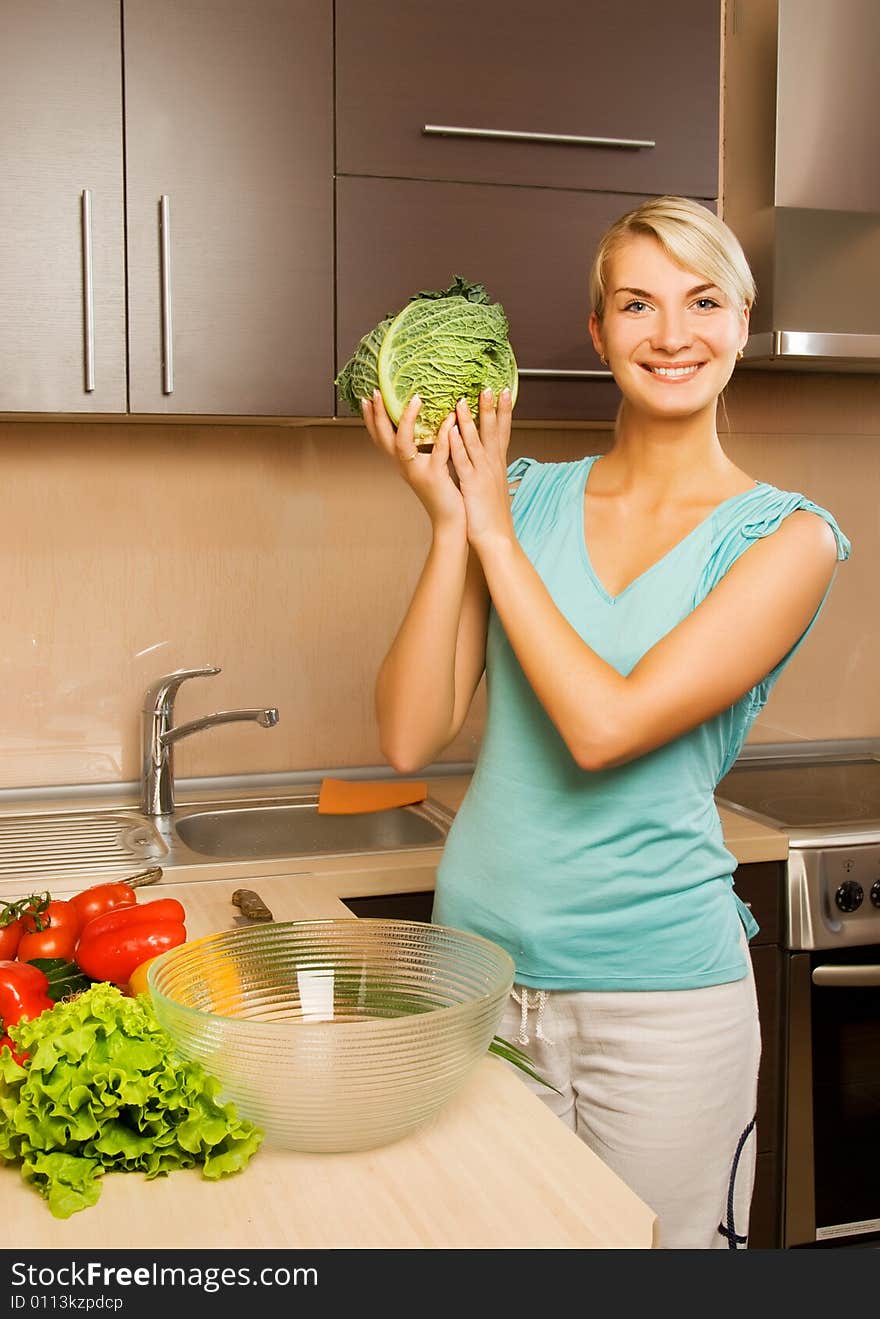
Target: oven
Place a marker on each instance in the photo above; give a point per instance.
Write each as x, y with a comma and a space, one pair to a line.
826, 798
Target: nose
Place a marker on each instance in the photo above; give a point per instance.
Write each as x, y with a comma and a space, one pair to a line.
671, 332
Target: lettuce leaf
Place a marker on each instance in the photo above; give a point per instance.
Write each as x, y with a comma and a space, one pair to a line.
105, 1090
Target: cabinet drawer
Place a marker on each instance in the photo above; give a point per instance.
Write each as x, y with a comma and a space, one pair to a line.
761, 885
638, 72
767, 964
531, 247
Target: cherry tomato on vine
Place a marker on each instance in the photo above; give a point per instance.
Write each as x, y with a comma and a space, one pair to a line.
52, 932
10, 937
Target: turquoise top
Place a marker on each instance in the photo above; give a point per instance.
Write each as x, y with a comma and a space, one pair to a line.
616, 878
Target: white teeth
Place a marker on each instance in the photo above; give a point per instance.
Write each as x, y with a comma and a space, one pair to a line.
673, 370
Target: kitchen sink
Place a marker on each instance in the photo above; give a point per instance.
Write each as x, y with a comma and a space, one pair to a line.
67, 846
263, 830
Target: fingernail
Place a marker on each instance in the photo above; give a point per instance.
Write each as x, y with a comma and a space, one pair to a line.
462, 402
364, 402
505, 393
415, 399
455, 433
487, 394
375, 395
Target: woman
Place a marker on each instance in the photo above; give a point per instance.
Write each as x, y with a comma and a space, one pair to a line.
632, 611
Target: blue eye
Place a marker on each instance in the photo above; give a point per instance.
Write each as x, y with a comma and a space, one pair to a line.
635, 305
705, 303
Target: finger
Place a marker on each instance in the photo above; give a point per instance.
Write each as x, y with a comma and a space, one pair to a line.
440, 452
405, 444
503, 419
379, 423
467, 428
458, 452
369, 420
488, 428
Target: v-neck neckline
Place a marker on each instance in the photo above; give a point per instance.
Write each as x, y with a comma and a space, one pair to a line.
582, 513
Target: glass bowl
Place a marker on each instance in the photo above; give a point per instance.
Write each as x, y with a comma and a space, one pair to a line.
334, 1035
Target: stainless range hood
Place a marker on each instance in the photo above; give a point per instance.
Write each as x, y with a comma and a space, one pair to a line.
801, 182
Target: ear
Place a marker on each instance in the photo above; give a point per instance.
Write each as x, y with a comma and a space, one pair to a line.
595, 327
745, 317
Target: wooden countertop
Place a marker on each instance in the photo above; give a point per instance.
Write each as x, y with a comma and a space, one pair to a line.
494, 1169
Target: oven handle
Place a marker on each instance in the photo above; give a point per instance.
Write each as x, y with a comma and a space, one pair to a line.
846, 977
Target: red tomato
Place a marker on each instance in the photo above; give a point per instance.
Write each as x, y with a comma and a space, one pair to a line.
57, 915
53, 942
98, 899
10, 936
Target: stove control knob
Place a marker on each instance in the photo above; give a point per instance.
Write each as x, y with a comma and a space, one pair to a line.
850, 895
875, 893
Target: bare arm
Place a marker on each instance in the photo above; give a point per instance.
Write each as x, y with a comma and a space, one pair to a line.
427, 680
735, 637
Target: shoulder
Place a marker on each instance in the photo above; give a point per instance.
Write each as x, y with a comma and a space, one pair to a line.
801, 550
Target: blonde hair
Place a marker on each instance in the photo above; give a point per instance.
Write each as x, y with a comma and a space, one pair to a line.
691, 235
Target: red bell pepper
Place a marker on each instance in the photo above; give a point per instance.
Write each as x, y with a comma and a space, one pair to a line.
21, 1058
23, 992
112, 945
100, 898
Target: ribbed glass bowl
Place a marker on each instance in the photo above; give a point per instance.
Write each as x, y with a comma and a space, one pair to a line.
334, 1035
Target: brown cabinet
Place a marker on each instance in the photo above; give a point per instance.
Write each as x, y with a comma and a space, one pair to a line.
216, 281
531, 247
564, 94
62, 227
762, 886
511, 136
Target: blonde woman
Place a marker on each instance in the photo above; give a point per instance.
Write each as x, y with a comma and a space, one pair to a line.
632, 611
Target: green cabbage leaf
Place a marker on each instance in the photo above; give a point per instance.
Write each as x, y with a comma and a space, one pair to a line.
444, 344
104, 1089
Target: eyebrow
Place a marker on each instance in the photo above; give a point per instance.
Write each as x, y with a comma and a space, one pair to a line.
643, 293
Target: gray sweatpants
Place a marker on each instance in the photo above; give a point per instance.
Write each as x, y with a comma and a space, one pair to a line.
662, 1086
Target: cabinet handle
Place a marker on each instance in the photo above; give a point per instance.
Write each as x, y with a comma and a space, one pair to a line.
88, 291
165, 248
510, 135
846, 977
539, 373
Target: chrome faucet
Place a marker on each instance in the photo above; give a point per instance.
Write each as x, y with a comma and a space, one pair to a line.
159, 735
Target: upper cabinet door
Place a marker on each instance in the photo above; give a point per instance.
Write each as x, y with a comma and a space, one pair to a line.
62, 254
528, 88
229, 170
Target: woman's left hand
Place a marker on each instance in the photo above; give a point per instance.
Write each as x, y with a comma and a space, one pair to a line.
480, 461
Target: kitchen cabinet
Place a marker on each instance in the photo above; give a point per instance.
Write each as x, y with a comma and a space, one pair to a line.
224, 261
630, 89
538, 273
514, 136
61, 207
762, 885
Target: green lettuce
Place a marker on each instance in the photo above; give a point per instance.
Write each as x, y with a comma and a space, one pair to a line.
105, 1090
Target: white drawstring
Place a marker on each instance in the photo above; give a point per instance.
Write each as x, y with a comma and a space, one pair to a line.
525, 1003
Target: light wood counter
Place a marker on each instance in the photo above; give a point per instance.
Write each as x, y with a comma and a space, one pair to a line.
494, 1169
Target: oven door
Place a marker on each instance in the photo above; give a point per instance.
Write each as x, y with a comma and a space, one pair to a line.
832, 1180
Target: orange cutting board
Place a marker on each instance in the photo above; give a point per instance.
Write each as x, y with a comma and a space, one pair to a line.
354, 797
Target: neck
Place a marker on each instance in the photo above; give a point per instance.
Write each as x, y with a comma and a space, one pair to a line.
658, 455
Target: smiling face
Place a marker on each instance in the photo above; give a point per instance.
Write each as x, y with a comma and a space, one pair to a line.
669, 335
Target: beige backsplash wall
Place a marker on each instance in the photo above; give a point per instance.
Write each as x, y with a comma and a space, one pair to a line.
286, 556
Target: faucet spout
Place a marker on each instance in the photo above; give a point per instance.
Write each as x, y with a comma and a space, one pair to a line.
266, 718
159, 733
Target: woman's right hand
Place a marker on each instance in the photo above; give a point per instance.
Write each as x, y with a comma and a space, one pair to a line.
428, 474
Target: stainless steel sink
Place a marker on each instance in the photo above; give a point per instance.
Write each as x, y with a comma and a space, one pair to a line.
38, 849
239, 831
